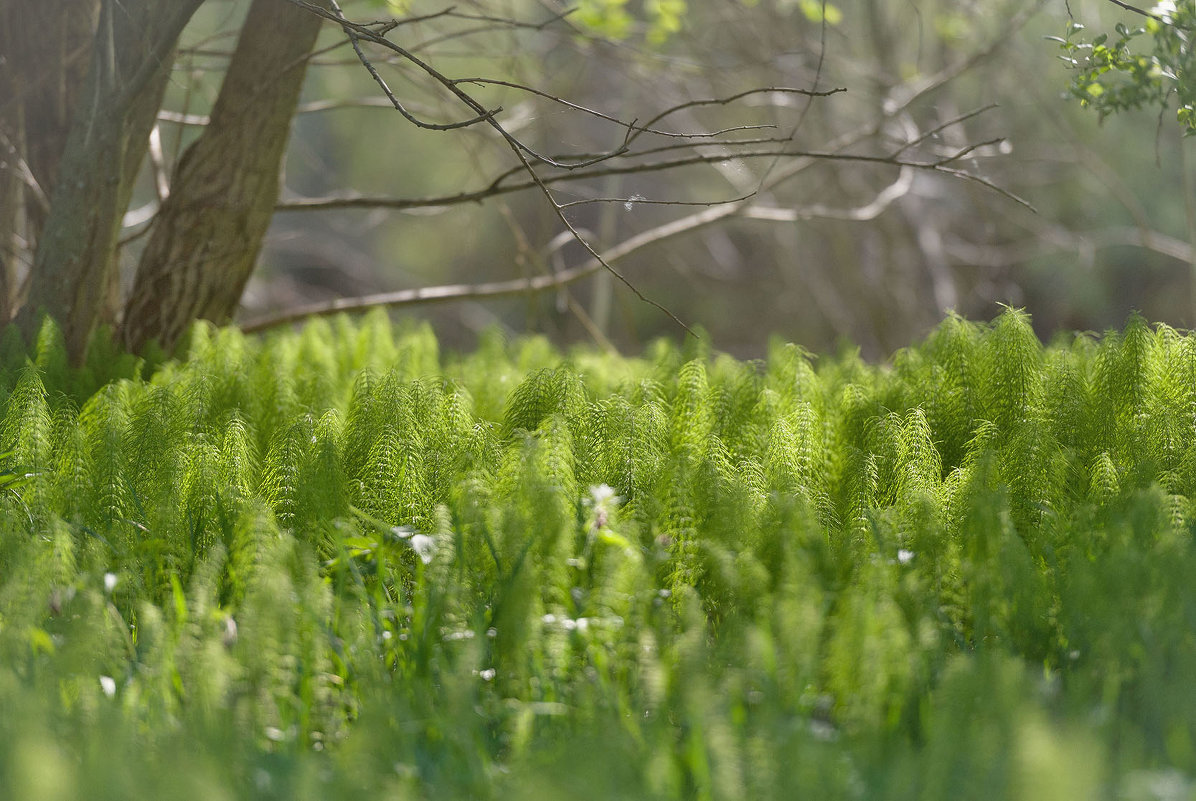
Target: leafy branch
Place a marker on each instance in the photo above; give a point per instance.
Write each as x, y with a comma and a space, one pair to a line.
1143, 66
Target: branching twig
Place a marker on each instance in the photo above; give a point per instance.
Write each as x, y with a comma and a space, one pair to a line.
517, 286
1137, 10
638, 129
494, 189
636, 200
869, 211
540, 283
1059, 238
943, 126
483, 115
350, 31
587, 168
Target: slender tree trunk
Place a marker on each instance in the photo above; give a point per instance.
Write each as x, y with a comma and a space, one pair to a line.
45, 48
73, 266
207, 235
12, 207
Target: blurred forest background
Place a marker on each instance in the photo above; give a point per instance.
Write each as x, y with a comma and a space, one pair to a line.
869, 254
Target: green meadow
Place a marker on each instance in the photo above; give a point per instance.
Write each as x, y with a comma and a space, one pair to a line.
340, 564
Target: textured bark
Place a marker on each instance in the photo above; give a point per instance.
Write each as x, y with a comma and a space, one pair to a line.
73, 265
45, 47
12, 209
207, 236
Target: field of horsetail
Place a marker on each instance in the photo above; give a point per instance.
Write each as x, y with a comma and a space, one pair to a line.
338, 563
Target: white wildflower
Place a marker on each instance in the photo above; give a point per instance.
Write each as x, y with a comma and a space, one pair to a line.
604, 494
1165, 9
904, 556
424, 547
108, 685
109, 582
229, 635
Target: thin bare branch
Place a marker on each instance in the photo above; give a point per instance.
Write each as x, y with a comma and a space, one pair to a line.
361, 32
944, 126
986, 183
967, 150
1059, 238
869, 211
158, 164
798, 161
493, 24
915, 90
636, 200
490, 289
722, 101
1137, 10
453, 292
25, 173
602, 116
350, 31
494, 189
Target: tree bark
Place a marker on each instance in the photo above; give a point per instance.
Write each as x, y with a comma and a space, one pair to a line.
129, 65
207, 236
45, 48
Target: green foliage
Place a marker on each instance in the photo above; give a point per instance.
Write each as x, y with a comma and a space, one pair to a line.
816, 11
335, 564
1123, 73
612, 18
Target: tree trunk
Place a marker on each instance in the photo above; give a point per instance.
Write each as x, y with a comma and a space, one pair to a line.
12, 205
207, 235
40, 78
73, 266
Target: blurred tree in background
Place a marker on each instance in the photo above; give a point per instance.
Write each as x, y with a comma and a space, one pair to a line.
889, 219
866, 254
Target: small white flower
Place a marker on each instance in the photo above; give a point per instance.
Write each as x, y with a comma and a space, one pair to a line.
604, 494
109, 582
108, 685
229, 634
1165, 9
904, 556
488, 674
424, 547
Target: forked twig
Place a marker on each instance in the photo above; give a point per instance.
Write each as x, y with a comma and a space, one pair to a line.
591, 166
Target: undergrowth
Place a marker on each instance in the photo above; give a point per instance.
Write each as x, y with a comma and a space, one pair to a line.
337, 564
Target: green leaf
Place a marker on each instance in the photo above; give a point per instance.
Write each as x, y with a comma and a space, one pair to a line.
819, 11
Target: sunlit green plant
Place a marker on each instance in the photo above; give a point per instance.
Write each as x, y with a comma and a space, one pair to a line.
338, 563
1146, 65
